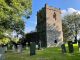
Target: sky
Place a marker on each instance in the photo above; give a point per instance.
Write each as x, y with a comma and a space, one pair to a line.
66, 6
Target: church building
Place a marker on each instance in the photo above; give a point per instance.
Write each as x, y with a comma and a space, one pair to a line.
49, 26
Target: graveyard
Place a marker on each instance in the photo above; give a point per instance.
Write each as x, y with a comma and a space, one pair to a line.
45, 54
46, 30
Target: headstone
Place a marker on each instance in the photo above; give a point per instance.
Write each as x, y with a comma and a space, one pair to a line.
14, 48
39, 46
32, 48
5, 48
63, 48
36, 46
19, 48
1, 53
79, 45
70, 46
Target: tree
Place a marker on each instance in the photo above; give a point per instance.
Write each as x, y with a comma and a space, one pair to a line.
11, 12
71, 26
66, 34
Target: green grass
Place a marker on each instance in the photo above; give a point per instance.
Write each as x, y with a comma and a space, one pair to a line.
46, 54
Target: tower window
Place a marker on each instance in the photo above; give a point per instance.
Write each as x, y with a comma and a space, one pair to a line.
54, 15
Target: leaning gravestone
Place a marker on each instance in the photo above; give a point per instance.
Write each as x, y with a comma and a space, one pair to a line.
32, 48
63, 48
19, 48
1, 53
70, 46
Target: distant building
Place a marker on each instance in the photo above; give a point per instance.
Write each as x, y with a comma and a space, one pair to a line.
49, 26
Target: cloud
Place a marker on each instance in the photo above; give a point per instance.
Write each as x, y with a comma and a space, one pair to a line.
69, 11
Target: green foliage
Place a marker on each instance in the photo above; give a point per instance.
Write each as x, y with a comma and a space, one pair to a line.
65, 31
11, 12
16, 40
4, 41
71, 26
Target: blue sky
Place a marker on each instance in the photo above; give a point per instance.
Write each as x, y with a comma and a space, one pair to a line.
30, 24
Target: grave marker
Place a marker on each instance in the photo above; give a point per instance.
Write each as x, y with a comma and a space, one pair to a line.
70, 46
19, 48
32, 48
1, 53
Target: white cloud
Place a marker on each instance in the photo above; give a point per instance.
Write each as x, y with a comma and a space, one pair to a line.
29, 29
69, 11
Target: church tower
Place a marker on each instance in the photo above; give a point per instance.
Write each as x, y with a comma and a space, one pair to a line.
49, 26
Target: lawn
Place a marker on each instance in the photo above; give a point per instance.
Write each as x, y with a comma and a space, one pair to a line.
46, 54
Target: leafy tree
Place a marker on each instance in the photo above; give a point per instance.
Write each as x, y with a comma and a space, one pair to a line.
11, 12
65, 31
71, 26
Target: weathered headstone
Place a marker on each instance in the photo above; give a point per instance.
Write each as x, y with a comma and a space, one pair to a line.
1, 53
14, 48
63, 48
32, 48
79, 45
5, 48
19, 48
70, 46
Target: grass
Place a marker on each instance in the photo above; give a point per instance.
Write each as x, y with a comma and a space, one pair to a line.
46, 54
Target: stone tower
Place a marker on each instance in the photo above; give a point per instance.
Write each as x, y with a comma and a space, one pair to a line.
49, 26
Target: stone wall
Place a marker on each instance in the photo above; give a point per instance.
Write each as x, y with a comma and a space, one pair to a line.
54, 26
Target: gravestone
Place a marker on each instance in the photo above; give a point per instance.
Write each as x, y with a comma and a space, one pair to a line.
14, 48
19, 48
36, 46
1, 53
5, 48
32, 48
70, 46
79, 45
63, 48
39, 45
